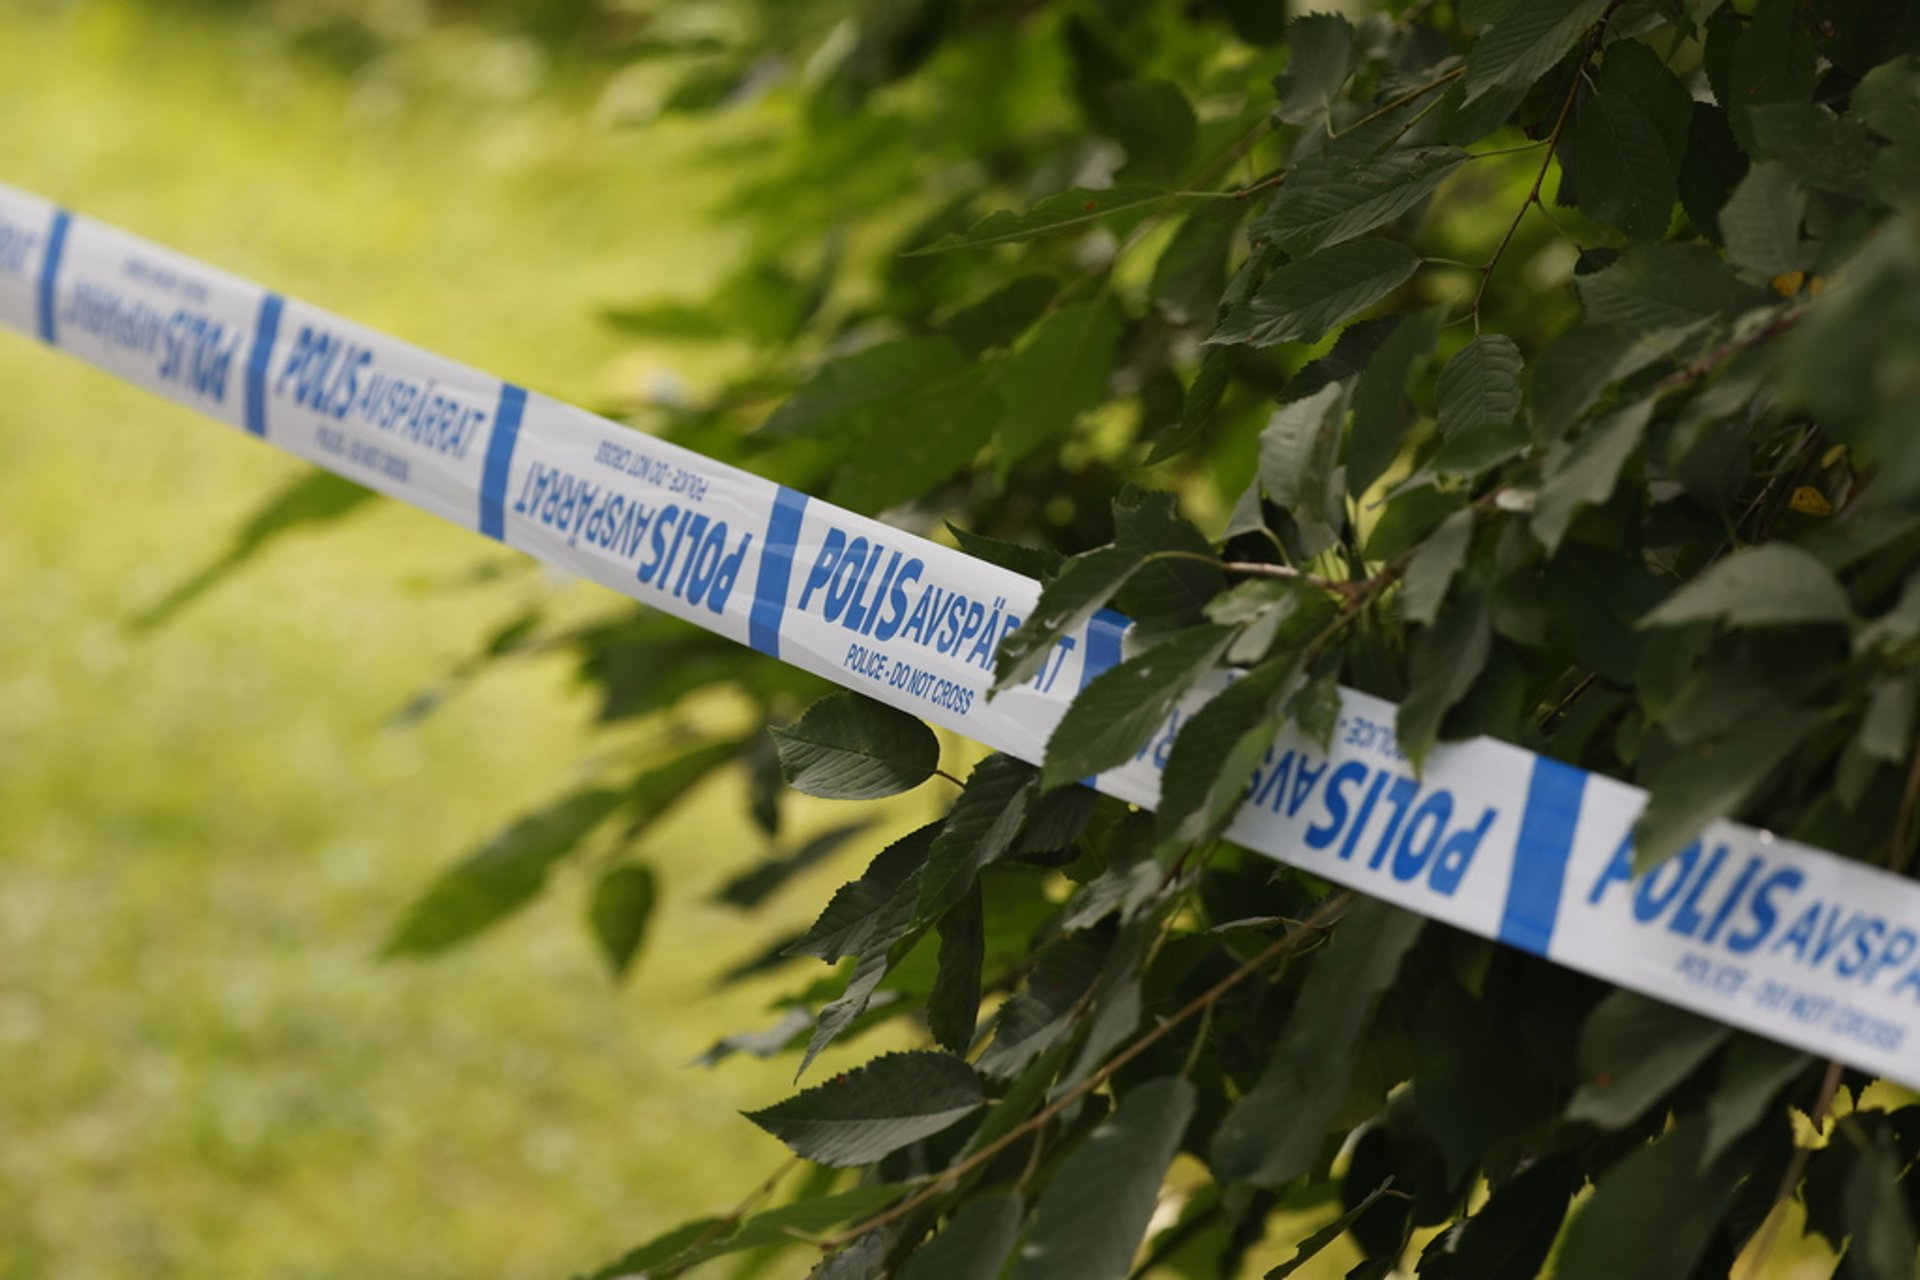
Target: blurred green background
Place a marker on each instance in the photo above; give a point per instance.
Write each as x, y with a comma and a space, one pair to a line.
207, 831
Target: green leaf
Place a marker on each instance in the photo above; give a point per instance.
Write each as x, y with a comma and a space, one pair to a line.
1773, 585
1569, 376
867, 1113
1447, 658
1627, 177
1379, 402
1527, 41
1001, 316
1513, 1233
1752, 1075
1154, 122
1216, 753
1481, 385
855, 920
1306, 299
1761, 221
1179, 572
622, 904
1310, 1248
1084, 586
952, 419
1319, 60
1191, 272
1123, 707
847, 747
1201, 407
1080, 207
1773, 62
1710, 783
503, 876
1882, 1237
1584, 473
1094, 1213
1275, 1132
1330, 198
850, 394
1886, 731
1652, 1214
1633, 1051
1298, 451
1632, 71
979, 831
1434, 567
973, 1245
676, 1249
1661, 286
1040, 1017
1826, 152
1060, 373
955, 1001
1712, 167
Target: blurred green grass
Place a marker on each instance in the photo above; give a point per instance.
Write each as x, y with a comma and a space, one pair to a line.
205, 832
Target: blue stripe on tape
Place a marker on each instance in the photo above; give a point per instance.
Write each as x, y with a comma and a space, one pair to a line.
1540, 856
50, 274
1103, 645
493, 478
266, 331
776, 571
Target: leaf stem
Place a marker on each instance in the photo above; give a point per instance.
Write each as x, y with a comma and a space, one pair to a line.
1317, 922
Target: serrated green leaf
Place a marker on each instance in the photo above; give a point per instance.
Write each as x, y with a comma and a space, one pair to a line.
943, 424
1772, 62
1627, 177
863, 1115
1434, 566
1329, 198
979, 831
1319, 60
1202, 406
1123, 707
620, 909
1298, 451
1712, 167
1761, 221
1481, 385
1274, 1133
850, 394
847, 747
1652, 1214
1080, 207
1526, 41
854, 920
1216, 752
1040, 1016
1882, 1241
1633, 1051
1633, 71
1829, 153
1315, 707
1584, 473
1084, 586
503, 876
1752, 1075
1155, 124
1447, 657
1569, 376
955, 1001
785, 1225
1773, 585
1379, 402
1191, 272
1003, 315
1179, 573
1030, 562
1306, 299
973, 1245
1513, 1233
1058, 374
1710, 783
1094, 1213
1663, 286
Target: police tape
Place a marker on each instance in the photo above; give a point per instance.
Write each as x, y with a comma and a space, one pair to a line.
1787, 941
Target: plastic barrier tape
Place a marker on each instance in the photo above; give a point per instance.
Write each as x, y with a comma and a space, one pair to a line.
1784, 940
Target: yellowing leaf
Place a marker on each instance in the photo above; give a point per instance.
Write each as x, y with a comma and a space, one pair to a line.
1809, 501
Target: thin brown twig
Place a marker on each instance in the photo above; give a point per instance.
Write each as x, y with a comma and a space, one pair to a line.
1533, 196
1322, 918
1796, 1169
1897, 847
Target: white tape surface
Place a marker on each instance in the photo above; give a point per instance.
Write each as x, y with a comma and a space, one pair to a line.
1784, 940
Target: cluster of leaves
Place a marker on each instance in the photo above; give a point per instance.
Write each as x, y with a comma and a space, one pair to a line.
1544, 366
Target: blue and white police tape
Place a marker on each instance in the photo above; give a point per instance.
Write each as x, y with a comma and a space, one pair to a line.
1784, 940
